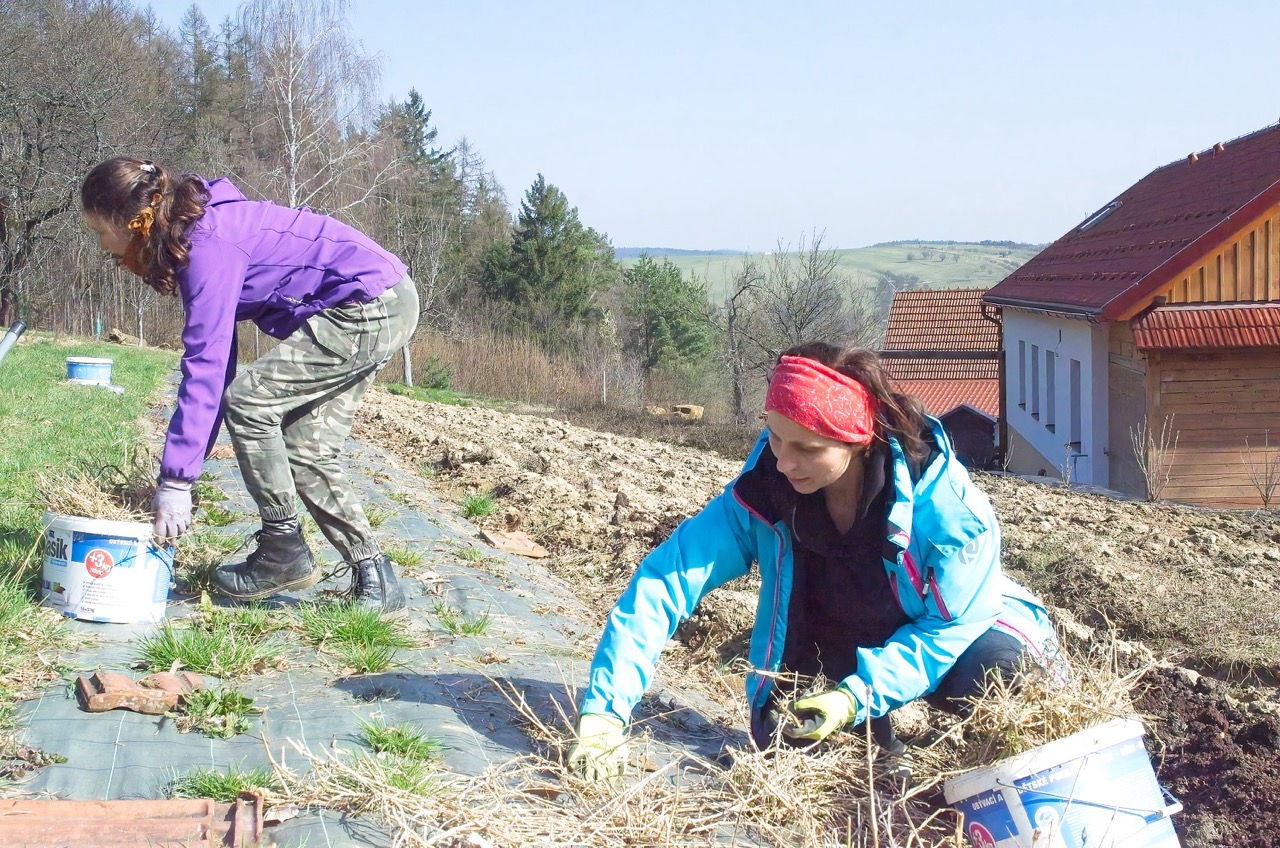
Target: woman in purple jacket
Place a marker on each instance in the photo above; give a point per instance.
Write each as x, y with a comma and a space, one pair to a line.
341, 306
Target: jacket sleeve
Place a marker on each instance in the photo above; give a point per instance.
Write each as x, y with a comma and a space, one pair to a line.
963, 599
705, 551
210, 287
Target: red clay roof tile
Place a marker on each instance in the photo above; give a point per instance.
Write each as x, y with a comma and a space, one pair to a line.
940, 319
1151, 232
1242, 325
941, 396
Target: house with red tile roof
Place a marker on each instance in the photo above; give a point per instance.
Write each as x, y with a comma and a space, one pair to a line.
1159, 313
939, 348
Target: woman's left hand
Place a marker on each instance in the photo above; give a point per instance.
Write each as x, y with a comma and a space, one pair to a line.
172, 506
822, 714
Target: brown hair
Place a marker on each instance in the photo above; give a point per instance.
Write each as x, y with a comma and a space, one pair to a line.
898, 415
159, 212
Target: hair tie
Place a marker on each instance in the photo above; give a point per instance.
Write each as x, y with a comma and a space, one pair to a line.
148, 166
822, 399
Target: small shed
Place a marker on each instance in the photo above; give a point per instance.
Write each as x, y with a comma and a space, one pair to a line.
941, 349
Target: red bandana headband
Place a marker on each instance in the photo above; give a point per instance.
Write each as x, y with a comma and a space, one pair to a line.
822, 399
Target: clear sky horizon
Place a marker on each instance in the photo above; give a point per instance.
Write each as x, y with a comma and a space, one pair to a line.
731, 125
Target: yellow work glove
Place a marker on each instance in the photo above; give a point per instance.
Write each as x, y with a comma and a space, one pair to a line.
822, 714
601, 750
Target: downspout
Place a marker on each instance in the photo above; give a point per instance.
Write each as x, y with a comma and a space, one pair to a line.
1002, 425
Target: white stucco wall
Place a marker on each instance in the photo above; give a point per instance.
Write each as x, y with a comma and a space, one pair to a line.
1067, 339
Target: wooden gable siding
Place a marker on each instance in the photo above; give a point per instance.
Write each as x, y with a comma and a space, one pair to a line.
1216, 401
1244, 270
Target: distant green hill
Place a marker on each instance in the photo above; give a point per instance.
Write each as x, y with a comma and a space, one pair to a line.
934, 264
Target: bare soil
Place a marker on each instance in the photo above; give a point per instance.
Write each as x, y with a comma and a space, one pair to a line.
1197, 589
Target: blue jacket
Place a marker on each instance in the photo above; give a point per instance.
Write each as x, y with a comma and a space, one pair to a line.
942, 555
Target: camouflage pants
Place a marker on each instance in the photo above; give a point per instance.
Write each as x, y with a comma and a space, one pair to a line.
290, 412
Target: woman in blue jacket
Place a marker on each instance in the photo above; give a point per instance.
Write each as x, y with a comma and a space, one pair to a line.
879, 569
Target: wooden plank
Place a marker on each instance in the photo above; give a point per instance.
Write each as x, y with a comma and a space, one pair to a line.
1213, 271
1175, 372
1247, 422
1197, 386
1196, 404
1273, 259
1258, 285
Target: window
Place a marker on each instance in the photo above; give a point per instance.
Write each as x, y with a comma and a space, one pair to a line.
1035, 382
1076, 413
1050, 401
1022, 374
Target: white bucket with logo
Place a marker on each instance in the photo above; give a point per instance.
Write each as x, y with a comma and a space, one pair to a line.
1095, 788
99, 570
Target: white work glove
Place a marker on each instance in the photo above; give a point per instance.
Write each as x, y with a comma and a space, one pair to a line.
172, 506
601, 750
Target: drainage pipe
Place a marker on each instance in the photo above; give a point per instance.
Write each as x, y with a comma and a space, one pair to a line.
16, 329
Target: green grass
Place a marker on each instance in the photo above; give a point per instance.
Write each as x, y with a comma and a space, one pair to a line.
206, 491
441, 396
216, 644
401, 498
220, 713
460, 623
478, 505
471, 554
400, 740
403, 555
214, 514
222, 786
47, 423
406, 758
199, 553
360, 639
378, 515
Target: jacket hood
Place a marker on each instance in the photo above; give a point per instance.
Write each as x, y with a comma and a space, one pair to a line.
222, 190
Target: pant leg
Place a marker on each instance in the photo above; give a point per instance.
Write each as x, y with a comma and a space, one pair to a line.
326, 365
314, 436
993, 652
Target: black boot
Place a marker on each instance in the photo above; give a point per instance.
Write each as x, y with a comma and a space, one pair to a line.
280, 563
374, 585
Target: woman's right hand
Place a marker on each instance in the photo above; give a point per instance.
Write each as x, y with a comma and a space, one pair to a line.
601, 750
172, 506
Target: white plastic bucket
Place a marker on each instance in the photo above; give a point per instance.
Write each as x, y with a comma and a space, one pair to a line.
99, 570
89, 371
1095, 788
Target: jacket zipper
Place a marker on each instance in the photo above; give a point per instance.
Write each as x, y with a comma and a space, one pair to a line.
777, 591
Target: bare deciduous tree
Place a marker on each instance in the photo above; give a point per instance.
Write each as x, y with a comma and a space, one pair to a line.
1263, 468
320, 87
1155, 456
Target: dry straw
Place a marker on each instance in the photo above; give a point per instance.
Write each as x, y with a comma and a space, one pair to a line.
830, 795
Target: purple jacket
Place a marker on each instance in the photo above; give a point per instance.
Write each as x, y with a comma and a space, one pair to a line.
256, 261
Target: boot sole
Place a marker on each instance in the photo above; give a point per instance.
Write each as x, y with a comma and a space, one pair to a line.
301, 583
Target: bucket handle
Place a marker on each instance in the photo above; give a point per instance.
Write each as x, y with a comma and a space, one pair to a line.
1149, 816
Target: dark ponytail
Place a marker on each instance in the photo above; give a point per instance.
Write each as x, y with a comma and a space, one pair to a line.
159, 211
898, 415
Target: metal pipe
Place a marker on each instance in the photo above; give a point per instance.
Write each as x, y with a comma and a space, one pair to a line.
16, 329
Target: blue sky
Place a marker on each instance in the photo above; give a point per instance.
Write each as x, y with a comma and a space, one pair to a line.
735, 124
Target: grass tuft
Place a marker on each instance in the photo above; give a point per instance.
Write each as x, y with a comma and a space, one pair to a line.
359, 638
378, 515
403, 555
478, 505
460, 623
222, 787
217, 644
198, 554
400, 741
